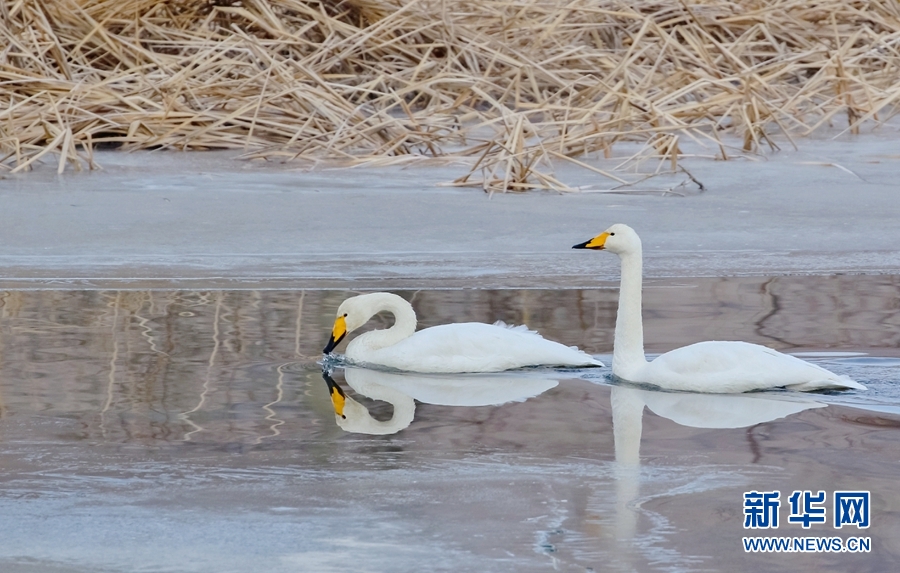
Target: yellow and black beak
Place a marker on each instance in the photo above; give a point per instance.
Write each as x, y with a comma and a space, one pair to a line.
338, 398
337, 334
597, 243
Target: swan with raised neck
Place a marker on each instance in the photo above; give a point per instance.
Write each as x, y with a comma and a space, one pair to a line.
448, 348
628, 343
713, 366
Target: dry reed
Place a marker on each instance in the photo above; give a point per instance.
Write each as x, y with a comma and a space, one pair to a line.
514, 84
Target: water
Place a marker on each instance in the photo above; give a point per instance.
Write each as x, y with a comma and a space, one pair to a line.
193, 431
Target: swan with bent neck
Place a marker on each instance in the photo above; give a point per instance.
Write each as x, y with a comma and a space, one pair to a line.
448, 348
714, 366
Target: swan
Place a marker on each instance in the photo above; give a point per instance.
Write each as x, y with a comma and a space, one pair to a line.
714, 366
448, 348
402, 390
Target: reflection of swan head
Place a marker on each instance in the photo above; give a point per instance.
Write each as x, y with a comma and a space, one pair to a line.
619, 239
356, 311
338, 398
353, 417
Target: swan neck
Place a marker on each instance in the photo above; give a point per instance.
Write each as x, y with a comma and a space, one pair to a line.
404, 325
628, 346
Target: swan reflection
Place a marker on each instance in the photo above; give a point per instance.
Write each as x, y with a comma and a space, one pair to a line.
402, 390
696, 411
687, 409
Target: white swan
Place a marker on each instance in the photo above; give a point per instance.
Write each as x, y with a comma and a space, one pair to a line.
448, 348
721, 367
401, 391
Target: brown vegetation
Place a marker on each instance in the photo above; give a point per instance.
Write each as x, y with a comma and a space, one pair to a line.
511, 83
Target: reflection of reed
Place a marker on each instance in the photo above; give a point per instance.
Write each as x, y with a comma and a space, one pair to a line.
835, 312
4, 296
774, 309
270, 417
207, 386
297, 325
114, 357
146, 330
279, 386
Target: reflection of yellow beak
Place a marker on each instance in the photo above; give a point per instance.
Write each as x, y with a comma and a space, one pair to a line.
338, 398
337, 334
596, 243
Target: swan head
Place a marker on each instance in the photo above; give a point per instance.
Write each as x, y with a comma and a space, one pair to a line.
619, 239
355, 312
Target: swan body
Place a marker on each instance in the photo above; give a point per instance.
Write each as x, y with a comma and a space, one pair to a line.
727, 367
715, 366
449, 348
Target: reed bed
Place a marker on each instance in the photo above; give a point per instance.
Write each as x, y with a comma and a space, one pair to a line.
511, 84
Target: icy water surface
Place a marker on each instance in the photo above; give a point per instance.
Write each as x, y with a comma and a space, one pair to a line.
194, 431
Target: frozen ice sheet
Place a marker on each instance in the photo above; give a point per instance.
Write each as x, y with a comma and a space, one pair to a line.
204, 219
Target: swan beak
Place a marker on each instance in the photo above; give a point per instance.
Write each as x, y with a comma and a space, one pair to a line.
596, 243
337, 334
338, 398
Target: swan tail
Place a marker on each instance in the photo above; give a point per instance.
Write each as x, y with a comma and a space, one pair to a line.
839, 383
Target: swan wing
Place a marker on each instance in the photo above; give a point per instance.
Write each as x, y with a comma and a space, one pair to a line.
476, 347
723, 367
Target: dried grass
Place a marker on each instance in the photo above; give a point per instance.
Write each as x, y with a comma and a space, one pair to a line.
513, 84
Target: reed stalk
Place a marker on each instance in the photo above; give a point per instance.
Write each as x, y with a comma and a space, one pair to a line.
512, 84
